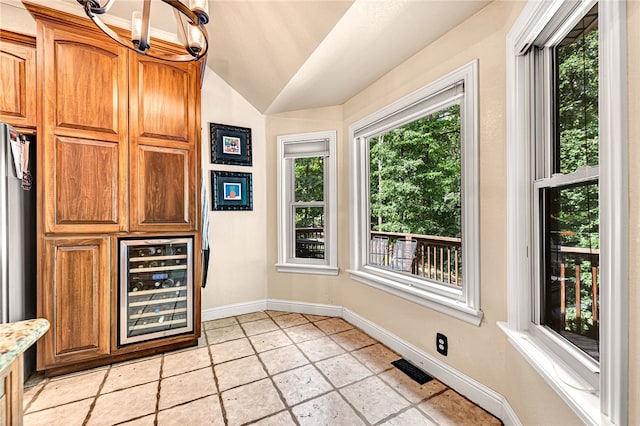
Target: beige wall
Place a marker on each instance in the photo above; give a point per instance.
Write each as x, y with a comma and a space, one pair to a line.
482, 37
288, 286
238, 239
482, 353
15, 18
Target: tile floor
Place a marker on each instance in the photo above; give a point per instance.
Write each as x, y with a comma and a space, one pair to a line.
265, 368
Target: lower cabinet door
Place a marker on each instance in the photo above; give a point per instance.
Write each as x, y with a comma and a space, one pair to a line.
74, 297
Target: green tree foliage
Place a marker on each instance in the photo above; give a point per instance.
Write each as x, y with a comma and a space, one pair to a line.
578, 103
578, 143
309, 181
415, 176
574, 218
309, 187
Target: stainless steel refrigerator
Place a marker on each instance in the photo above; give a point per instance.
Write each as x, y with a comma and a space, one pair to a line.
17, 230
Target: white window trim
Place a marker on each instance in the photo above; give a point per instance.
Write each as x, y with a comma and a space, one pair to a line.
464, 303
610, 406
328, 266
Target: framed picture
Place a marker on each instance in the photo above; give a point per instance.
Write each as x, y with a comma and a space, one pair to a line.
231, 191
230, 144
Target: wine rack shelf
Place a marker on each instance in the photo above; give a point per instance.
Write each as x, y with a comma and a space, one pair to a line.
156, 288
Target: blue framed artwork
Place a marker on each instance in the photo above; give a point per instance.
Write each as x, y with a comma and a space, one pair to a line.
231, 191
230, 144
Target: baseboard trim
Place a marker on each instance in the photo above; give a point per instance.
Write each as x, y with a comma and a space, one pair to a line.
305, 308
233, 310
480, 394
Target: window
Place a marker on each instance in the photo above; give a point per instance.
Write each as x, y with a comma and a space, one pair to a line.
567, 201
414, 210
565, 187
307, 209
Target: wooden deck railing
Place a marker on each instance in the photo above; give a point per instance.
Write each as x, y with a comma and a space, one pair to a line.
572, 261
437, 258
440, 258
310, 243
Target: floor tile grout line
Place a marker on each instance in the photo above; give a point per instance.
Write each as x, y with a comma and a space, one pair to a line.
223, 410
411, 405
159, 394
26, 408
377, 375
95, 400
269, 376
310, 363
55, 379
316, 368
336, 389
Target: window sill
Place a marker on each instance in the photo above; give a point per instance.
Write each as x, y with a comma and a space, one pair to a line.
584, 402
438, 302
307, 269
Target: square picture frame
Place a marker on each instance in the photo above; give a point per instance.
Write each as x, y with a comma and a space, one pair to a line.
231, 190
230, 145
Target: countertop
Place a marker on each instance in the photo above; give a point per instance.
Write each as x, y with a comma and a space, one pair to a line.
17, 337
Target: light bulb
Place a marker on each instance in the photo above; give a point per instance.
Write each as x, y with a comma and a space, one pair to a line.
195, 39
136, 26
137, 34
200, 6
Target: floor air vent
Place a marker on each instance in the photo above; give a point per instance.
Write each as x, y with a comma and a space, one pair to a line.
412, 371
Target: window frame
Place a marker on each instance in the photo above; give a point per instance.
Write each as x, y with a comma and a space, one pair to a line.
544, 177
305, 145
569, 373
462, 303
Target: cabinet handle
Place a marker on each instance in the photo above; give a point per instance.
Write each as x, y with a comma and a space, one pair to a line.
156, 241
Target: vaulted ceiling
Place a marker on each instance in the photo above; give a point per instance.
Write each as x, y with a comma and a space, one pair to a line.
285, 55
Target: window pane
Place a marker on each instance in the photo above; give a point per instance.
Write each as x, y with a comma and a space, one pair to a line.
309, 179
577, 96
309, 232
415, 203
570, 295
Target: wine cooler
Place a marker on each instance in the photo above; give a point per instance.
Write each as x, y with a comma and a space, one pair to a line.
156, 288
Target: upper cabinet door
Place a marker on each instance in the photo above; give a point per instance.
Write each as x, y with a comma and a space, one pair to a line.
18, 80
84, 135
164, 160
161, 101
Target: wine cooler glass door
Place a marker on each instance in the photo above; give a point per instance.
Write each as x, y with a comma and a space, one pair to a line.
156, 288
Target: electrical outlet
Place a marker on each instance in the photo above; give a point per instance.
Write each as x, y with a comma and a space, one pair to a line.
441, 344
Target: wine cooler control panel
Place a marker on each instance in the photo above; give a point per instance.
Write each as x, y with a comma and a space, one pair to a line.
156, 288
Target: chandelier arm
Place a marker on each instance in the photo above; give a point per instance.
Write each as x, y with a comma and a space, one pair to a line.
182, 8
171, 57
183, 36
97, 9
144, 33
181, 33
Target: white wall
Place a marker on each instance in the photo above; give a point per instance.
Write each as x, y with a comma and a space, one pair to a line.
238, 239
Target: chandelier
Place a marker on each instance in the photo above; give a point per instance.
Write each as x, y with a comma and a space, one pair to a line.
192, 16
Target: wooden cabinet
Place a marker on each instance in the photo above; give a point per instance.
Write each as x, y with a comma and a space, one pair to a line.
18, 80
74, 296
118, 156
163, 160
84, 132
